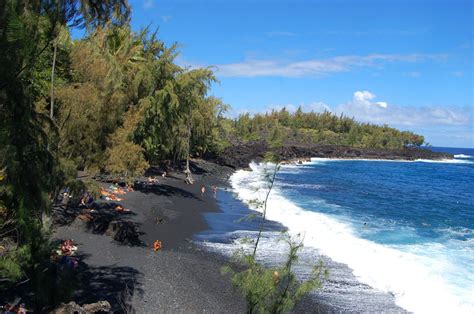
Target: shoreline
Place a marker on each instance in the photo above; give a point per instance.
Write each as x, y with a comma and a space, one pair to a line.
183, 276
339, 291
298, 224
303, 161
184, 272
241, 155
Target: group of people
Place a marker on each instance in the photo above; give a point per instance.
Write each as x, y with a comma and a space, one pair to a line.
67, 247
213, 188
13, 309
111, 193
154, 180
64, 256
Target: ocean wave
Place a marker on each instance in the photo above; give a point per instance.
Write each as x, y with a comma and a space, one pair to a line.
445, 161
317, 160
416, 281
303, 186
463, 156
458, 233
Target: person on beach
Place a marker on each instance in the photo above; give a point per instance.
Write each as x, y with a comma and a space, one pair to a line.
152, 181
203, 190
157, 245
84, 200
214, 191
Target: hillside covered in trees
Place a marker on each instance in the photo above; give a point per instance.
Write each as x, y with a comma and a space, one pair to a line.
114, 102
321, 128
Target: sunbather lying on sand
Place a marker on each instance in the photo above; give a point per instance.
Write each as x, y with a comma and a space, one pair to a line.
103, 192
68, 247
120, 209
156, 245
109, 195
152, 180
120, 191
85, 217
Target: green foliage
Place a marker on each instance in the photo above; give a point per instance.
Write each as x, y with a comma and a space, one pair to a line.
120, 103
125, 158
274, 290
179, 115
13, 262
280, 127
29, 158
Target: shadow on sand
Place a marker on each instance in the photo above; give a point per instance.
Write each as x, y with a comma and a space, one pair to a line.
104, 219
117, 285
165, 190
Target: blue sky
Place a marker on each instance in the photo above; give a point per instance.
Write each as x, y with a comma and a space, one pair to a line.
405, 63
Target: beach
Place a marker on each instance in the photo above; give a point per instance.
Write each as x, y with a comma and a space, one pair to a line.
199, 233
182, 277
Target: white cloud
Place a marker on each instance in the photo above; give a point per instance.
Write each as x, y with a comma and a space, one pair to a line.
166, 18
147, 4
362, 108
363, 97
316, 107
315, 67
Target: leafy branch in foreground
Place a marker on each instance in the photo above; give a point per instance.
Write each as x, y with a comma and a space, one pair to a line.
270, 180
277, 289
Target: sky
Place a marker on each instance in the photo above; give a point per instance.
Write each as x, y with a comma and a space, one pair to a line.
406, 63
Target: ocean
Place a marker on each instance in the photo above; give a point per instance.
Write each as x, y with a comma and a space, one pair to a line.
396, 235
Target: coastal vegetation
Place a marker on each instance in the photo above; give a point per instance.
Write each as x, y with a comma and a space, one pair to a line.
275, 289
272, 289
321, 128
114, 101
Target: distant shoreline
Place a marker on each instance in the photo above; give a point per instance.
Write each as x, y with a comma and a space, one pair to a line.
240, 156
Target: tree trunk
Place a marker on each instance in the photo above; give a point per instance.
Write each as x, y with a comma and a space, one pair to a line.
189, 177
51, 111
188, 148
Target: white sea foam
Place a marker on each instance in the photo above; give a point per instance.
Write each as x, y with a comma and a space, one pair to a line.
304, 186
463, 156
444, 161
417, 281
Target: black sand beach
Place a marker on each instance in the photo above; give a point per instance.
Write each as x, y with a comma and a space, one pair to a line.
182, 277
178, 278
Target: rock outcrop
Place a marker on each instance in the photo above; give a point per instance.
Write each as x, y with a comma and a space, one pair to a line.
239, 156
